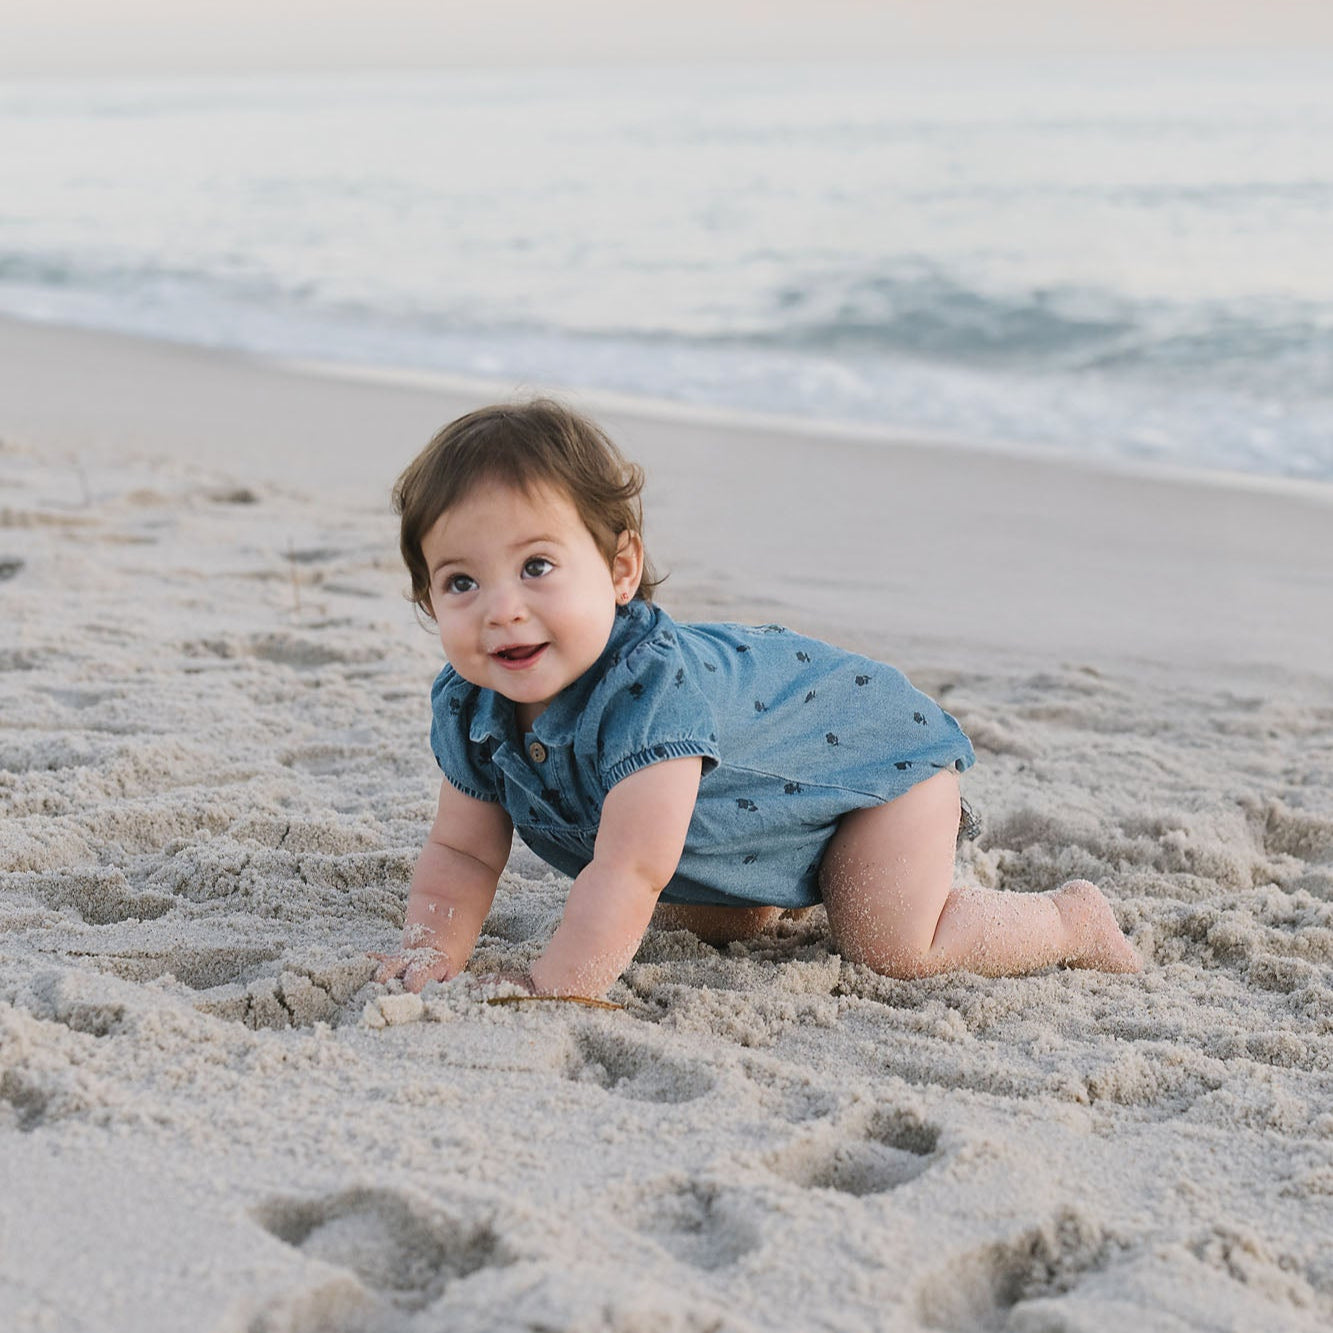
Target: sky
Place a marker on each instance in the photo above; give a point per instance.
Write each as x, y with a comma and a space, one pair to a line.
70, 37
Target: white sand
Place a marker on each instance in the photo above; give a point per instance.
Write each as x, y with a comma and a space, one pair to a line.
214, 777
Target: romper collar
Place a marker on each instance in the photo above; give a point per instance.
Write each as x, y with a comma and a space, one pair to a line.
492, 718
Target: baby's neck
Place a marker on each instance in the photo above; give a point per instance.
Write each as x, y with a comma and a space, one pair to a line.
526, 714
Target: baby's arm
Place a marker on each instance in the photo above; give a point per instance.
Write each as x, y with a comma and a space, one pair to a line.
639, 842
452, 889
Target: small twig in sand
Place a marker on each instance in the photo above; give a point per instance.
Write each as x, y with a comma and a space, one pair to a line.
296, 582
82, 475
554, 999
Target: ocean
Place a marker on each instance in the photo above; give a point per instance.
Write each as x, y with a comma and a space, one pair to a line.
1127, 258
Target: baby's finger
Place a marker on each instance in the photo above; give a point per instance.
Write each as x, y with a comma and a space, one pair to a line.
391, 965
418, 973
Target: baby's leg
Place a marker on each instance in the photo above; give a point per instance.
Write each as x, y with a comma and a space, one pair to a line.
887, 882
715, 925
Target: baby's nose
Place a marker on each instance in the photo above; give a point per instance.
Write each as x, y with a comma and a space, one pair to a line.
505, 606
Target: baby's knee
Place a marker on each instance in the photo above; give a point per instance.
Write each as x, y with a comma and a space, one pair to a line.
715, 925
894, 958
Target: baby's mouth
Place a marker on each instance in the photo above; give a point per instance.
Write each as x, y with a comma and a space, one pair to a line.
519, 653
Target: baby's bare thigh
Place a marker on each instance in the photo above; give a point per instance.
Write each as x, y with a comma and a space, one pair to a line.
715, 925
889, 869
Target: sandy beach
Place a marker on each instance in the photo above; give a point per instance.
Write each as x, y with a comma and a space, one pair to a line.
215, 776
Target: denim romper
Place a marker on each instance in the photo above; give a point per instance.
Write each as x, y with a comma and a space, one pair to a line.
793, 734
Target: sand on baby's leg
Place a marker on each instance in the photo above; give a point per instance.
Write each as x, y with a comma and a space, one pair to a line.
887, 883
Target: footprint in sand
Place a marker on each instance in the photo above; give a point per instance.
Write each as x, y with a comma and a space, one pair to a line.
29, 1102
1286, 832
232, 495
635, 1070
305, 992
698, 1222
284, 648
978, 1290
1236, 1255
401, 1248
325, 759
890, 1148
100, 895
202, 967
313, 555
795, 1098
76, 698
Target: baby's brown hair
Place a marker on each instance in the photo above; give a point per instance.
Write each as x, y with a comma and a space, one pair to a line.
523, 445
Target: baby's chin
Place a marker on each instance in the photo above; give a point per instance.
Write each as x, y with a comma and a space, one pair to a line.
518, 688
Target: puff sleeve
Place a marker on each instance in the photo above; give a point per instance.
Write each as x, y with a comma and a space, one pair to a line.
648, 709
465, 762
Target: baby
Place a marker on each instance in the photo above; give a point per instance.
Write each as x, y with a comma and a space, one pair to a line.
707, 776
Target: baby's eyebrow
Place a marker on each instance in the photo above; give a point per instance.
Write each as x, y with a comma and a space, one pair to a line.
541, 539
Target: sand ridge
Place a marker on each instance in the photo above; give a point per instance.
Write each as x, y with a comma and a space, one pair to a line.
214, 778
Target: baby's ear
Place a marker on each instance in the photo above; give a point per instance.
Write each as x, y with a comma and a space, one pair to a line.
627, 564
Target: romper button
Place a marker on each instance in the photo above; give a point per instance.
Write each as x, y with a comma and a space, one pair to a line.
538, 752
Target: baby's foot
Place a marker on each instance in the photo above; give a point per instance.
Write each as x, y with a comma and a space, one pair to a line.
1095, 939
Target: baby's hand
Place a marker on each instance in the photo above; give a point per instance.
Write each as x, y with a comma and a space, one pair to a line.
415, 966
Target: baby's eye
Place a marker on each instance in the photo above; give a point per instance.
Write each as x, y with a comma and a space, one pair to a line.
537, 566
459, 583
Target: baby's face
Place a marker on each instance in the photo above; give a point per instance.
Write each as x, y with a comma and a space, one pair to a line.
522, 595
